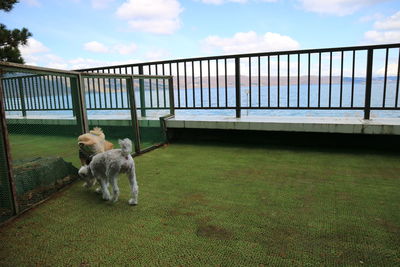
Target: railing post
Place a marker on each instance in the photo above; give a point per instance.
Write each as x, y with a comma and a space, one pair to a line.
135, 122
237, 86
142, 93
171, 96
22, 96
79, 105
368, 84
6, 158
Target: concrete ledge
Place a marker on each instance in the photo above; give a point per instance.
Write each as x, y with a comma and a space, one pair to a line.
389, 126
386, 126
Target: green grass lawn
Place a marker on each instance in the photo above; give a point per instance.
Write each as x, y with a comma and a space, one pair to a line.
209, 204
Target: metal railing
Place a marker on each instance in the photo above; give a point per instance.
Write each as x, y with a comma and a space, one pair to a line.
316, 79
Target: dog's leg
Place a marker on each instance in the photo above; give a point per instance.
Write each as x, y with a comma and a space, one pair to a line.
134, 186
114, 184
104, 189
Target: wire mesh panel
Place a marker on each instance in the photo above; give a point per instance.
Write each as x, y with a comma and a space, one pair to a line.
109, 97
7, 208
43, 126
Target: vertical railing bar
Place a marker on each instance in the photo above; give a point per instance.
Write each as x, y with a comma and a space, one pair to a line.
28, 97
53, 94
48, 94
17, 94
269, 82
165, 98
173, 91
185, 73
279, 81
35, 97
58, 92
216, 62
100, 92
397, 83
7, 87
309, 82
86, 88
209, 83
157, 88
95, 95
201, 83
319, 79
352, 77
368, 83
298, 80
193, 86
29, 92
115, 92
68, 93
178, 83
26, 94
44, 91
150, 88
259, 81
62, 92
330, 78
10, 95
341, 78
250, 104
385, 80
226, 82
20, 95
142, 93
49, 91
121, 93
103, 82
288, 80
237, 87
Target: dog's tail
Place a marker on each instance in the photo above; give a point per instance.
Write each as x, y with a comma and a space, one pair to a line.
126, 146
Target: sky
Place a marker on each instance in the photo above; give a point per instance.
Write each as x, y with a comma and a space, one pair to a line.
73, 34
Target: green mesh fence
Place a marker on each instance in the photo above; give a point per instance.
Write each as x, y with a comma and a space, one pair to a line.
6, 199
42, 130
46, 112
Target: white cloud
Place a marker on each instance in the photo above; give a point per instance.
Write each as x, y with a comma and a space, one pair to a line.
386, 30
122, 49
382, 37
390, 23
33, 46
372, 17
96, 47
156, 16
101, 4
31, 50
249, 42
337, 7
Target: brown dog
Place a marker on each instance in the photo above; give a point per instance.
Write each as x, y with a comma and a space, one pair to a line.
91, 144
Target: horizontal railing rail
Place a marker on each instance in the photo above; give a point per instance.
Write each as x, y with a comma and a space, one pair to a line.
51, 90
343, 78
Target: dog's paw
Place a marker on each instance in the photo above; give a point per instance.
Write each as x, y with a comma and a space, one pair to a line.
132, 202
106, 197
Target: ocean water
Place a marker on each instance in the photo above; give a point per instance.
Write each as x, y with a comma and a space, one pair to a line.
313, 96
